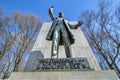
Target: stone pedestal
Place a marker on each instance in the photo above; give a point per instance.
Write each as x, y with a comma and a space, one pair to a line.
65, 75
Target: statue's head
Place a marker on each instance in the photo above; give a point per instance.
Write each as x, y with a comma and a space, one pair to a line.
60, 15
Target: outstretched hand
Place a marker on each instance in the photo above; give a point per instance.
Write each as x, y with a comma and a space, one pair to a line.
79, 23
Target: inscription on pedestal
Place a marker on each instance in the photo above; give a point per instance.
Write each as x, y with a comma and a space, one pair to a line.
60, 64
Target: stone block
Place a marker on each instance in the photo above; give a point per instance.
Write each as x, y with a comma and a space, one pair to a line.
65, 75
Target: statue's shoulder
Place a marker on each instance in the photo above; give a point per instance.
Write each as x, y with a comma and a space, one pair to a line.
55, 19
65, 20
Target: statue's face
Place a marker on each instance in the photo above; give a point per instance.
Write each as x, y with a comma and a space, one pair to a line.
60, 15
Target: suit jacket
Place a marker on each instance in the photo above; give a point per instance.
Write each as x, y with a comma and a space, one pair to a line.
67, 26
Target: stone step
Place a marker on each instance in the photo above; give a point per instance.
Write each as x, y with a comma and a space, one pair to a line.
65, 75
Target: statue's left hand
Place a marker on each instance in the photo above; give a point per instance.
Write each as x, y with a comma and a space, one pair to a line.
79, 23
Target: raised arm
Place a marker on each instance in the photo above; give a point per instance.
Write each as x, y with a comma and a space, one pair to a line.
51, 13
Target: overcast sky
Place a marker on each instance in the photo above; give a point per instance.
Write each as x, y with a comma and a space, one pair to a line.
70, 8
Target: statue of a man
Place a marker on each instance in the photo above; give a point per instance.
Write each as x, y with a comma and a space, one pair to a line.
60, 34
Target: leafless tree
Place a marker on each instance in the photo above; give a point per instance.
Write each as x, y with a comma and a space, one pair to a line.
27, 25
17, 34
102, 30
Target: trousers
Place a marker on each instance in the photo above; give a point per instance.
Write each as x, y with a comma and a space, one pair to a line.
60, 33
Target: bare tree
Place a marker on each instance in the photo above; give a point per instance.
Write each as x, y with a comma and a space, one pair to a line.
18, 32
6, 41
28, 25
102, 31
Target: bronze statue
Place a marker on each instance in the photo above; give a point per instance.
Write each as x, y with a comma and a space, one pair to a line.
60, 34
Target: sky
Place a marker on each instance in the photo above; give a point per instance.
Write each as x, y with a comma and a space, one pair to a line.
70, 8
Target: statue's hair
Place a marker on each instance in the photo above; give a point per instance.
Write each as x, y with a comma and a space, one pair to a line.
60, 14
